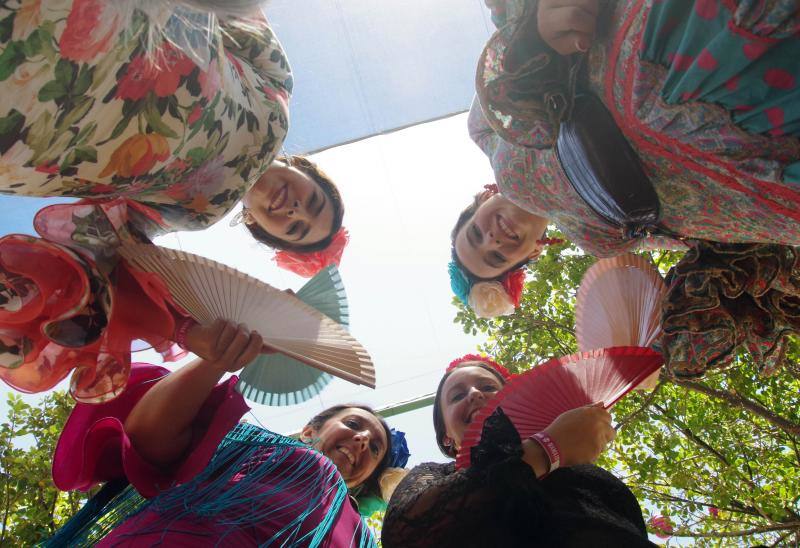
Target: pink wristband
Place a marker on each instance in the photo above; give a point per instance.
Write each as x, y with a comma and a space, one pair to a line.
183, 329
550, 448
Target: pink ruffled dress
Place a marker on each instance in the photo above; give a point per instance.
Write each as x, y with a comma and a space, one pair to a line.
237, 485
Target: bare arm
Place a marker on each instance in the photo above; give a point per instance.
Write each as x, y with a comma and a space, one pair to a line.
160, 425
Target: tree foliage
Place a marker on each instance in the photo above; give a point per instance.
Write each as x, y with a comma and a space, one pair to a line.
31, 505
718, 456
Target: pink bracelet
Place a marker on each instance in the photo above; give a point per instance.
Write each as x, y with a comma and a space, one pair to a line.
550, 448
183, 329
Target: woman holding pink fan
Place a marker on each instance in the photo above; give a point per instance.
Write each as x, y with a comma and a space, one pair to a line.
160, 117
539, 491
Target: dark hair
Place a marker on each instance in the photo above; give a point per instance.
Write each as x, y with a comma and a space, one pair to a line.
328, 187
463, 217
438, 416
370, 485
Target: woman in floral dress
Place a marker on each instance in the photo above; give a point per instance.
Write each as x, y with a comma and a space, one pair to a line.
707, 94
161, 117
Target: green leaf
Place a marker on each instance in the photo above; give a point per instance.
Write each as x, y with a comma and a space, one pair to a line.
83, 81
153, 118
197, 155
86, 132
10, 59
33, 44
79, 109
7, 27
52, 91
65, 72
10, 128
121, 126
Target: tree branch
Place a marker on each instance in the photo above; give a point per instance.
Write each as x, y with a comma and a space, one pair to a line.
739, 401
645, 404
791, 526
691, 435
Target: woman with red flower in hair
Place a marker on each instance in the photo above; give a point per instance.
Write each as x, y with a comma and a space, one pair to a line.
539, 491
160, 116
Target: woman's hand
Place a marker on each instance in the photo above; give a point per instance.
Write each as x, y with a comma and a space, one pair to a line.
224, 344
582, 434
567, 26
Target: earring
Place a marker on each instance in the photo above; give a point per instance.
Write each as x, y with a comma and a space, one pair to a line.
237, 219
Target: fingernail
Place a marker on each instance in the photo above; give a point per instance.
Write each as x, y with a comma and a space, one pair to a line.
581, 45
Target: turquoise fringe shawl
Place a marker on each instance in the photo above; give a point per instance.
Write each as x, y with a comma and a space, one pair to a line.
252, 454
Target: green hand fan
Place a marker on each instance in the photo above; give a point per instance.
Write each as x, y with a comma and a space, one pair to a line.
276, 379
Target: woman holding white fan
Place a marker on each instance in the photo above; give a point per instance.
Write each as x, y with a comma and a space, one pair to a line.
161, 116
201, 478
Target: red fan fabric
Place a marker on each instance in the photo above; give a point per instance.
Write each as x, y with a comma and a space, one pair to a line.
308, 264
535, 398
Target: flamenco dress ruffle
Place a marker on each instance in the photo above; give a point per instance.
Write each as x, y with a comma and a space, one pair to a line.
72, 308
237, 485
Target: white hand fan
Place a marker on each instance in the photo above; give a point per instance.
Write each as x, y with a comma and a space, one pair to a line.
275, 379
208, 290
619, 304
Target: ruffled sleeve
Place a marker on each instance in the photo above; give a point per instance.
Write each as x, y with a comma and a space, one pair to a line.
484, 505
499, 502
94, 446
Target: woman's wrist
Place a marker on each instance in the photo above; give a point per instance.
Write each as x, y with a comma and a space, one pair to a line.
550, 448
535, 456
182, 328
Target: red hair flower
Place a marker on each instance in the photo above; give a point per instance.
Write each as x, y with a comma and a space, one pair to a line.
513, 282
308, 264
484, 360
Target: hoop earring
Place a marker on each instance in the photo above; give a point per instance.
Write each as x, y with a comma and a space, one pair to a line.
239, 218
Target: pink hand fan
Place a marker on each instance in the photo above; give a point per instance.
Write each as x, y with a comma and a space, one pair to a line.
619, 303
208, 290
535, 398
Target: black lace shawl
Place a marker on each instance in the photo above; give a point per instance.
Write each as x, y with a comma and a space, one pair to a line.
499, 502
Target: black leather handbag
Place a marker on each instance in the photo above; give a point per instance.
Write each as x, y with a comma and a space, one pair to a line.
605, 171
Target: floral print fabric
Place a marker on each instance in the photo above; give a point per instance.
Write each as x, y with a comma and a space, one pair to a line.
723, 298
97, 101
92, 105
720, 175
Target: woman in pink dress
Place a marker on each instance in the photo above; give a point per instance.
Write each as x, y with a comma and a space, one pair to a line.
207, 480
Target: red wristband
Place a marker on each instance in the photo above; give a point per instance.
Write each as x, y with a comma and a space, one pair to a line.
550, 448
182, 330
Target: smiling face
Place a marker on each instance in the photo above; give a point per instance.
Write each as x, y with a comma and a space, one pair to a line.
499, 236
290, 205
354, 439
464, 393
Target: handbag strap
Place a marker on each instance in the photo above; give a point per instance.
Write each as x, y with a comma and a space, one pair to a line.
605, 171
